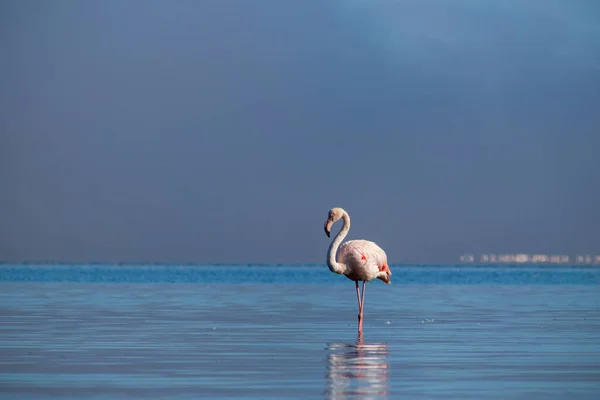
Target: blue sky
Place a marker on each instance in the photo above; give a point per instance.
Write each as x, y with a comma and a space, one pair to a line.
223, 131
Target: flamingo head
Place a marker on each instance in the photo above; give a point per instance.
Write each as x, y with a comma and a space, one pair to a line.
333, 215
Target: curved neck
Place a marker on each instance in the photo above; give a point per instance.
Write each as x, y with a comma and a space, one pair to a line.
333, 265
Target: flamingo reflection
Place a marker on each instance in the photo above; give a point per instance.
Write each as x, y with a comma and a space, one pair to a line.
357, 370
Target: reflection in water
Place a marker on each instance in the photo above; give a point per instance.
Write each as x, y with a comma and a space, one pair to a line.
357, 370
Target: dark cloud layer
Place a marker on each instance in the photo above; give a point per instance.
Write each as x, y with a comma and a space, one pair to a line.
223, 131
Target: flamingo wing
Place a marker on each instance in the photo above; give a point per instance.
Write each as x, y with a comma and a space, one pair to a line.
365, 258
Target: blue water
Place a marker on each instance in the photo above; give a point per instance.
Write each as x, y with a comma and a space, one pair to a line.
277, 331
296, 274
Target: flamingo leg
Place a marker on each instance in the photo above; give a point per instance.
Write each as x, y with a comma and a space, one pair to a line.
360, 339
362, 304
359, 306
358, 296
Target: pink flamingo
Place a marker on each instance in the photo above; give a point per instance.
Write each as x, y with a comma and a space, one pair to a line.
359, 260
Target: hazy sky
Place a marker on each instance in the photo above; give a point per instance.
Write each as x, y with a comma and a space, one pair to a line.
223, 131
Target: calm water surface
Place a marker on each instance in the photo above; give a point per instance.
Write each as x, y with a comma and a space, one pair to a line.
148, 332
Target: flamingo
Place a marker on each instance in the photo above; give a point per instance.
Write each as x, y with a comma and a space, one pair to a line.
358, 260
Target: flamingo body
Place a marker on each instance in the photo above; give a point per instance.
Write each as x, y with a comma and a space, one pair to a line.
365, 261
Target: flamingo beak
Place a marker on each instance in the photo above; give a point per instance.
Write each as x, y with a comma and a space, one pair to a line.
327, 226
